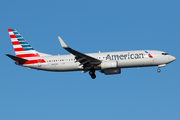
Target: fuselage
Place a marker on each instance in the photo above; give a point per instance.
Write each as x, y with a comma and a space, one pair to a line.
125, 59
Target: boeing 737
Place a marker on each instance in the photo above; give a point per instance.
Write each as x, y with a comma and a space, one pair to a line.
105, 62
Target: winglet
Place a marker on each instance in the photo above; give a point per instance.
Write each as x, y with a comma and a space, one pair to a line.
62, 43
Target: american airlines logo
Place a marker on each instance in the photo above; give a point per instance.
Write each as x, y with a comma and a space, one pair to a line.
150, 56
125, 56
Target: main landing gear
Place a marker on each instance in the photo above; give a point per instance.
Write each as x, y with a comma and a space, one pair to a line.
92, 73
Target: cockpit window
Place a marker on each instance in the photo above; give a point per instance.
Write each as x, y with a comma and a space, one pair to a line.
165, 54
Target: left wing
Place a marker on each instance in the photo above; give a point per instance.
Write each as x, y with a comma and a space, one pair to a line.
84, 59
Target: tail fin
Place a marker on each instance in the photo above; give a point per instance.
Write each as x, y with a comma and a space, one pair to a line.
21, 47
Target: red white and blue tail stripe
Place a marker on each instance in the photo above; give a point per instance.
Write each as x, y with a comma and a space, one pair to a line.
24, 50
21, 47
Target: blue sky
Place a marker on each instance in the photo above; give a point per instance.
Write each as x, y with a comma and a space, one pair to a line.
91, 26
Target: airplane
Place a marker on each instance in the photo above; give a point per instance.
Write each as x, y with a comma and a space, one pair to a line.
106, 62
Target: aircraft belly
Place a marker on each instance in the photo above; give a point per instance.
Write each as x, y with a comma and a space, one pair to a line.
67, 67
55, 66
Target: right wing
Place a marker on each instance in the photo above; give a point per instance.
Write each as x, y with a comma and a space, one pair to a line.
84, 59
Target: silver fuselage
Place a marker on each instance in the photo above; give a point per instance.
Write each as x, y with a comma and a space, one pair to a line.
125, 59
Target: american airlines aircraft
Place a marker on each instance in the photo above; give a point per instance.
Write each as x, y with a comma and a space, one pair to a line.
106, 62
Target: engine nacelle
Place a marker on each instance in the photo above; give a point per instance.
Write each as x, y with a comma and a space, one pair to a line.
109, 64
111, 71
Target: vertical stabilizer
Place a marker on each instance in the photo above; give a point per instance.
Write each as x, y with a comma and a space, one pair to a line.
21, 47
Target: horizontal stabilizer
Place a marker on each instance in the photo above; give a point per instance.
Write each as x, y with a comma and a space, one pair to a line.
16, 58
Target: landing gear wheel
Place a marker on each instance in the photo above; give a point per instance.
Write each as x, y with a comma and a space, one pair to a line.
92, 73
93, 76
159, 70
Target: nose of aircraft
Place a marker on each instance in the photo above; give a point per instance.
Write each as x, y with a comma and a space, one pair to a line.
172, 58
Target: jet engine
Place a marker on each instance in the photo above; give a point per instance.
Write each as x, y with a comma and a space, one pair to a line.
110, 67
111, 71
109, 64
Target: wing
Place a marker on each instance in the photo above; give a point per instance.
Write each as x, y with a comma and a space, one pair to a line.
84, 59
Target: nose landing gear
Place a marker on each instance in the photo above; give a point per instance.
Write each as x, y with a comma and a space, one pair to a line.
158, 70
92, 73
162, 65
